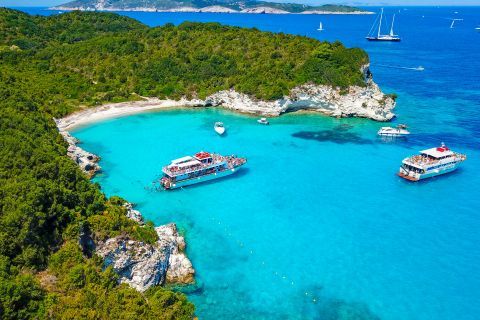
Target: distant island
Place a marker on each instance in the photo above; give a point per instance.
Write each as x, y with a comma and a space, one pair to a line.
220, 6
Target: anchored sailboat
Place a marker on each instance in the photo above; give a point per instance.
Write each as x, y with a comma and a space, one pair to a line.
320, 28
382, 37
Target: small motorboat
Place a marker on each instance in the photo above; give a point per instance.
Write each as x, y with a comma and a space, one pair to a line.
399, 131
219, 128
263, 121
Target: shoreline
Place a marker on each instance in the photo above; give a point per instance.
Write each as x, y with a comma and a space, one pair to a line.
369, 102
117, 110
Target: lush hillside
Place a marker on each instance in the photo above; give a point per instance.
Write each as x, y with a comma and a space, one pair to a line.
199, 4
51, 65
45, 200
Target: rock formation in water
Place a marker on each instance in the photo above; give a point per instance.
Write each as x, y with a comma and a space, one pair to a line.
144, 265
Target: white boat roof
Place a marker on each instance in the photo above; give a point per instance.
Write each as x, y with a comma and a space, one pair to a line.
183, 159
438, 152
189, 163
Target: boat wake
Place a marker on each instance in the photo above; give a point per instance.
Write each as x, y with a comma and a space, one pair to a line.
419, 68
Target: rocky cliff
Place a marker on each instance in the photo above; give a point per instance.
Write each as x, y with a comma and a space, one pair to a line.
144, 265
366, 102
87, 161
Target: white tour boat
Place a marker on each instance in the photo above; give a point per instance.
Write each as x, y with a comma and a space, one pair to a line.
263, 121
219, 128
399, 131
430, 163
203, 166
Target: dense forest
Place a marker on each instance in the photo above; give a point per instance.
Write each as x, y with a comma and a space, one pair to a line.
49, 66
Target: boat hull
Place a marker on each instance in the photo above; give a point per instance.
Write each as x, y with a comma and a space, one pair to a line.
395, 135
413, 176
384, 39
219, 130
204, 178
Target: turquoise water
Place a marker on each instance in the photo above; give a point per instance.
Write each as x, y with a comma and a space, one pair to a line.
318, 226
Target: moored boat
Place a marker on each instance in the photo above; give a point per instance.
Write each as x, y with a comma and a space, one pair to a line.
219, 128
203, 166
430, 163
399, 131
392, 37
263, 121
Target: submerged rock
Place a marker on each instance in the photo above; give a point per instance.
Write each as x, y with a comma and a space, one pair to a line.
143, 265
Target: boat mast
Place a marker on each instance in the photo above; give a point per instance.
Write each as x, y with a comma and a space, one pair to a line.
391, 29
380, 24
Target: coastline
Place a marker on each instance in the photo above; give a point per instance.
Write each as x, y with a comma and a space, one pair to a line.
121, 109
212, 9
368, 102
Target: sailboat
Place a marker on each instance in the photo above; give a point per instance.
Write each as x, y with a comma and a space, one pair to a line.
383, 37
320, 28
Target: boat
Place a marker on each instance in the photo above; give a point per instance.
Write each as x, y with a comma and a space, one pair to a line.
263, 121
453, 22
430, 163
477, 28
399, 131
320, 28
219, 128
382, 37
201, 167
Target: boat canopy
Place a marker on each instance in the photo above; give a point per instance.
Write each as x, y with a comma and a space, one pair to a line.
439, 152
187, 164
183, 159
202, 155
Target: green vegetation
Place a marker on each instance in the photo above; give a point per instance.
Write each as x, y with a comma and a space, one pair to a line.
49, 66
174, 4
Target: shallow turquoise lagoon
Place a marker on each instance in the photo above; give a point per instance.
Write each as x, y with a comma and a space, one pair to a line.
316, 225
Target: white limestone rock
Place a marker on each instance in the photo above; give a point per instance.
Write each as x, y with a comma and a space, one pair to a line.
367, 102
133, 214
87, 161
180, 268
144, 265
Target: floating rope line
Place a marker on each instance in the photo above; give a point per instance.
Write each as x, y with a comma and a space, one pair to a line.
282, 277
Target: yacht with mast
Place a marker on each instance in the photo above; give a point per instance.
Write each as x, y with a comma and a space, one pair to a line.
320, 27
378, 36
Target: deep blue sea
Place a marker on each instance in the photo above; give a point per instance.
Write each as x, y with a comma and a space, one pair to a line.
318, 226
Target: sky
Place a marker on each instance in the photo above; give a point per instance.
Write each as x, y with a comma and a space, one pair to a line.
46, 3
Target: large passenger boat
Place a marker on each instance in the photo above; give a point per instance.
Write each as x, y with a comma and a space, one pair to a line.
203, 166
430, 163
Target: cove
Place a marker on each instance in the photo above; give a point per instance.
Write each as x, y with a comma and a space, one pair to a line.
316, 226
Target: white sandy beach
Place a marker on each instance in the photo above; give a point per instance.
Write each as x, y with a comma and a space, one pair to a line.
116, 110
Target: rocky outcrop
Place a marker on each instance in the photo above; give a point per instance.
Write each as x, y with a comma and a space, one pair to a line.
133, 214
367, 102
143, 265
87, 161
